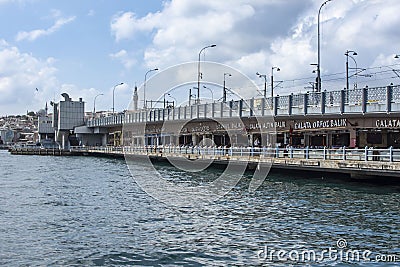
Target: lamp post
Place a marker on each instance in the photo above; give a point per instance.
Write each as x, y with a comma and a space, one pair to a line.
199, 76
173, 98
144, 87
319, 51
94, 104
212, 93
347, 65
272, 80
265, 82
114, 94
191, 95
397, 56
224, 91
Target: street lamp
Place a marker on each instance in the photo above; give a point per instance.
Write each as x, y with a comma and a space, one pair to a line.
212, 93
114, 94
397, 56
347, 65
173, 98
191, 95
224, 92
199, 76
144, 87
265, 82
272, 80
319, 51
94, 104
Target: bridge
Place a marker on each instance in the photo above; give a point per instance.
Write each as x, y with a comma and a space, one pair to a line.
383, 100
354, 132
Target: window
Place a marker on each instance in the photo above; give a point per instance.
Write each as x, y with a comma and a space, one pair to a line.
374, 138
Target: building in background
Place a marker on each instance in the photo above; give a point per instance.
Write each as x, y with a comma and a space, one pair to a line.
45, 126
67, 115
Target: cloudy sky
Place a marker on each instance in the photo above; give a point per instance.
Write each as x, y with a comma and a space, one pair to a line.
86, 47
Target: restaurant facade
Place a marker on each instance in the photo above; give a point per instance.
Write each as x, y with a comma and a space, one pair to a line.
350, 130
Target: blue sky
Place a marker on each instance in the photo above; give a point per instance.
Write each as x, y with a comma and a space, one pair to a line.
86, 47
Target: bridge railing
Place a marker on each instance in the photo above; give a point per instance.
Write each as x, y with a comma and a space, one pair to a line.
360, 100
342, 153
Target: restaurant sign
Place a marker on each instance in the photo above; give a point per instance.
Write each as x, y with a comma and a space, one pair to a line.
390, 123
318, 124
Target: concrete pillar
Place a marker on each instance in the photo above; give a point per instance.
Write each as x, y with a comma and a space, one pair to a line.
306, 140
64, 140
353, 138
285, 137
329, 138
195, 139
385, 139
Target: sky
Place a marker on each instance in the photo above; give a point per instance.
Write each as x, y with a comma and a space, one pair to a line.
85, 48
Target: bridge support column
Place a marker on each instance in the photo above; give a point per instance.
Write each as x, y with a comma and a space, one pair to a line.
195, 139
104, 140
250, 137
353, 138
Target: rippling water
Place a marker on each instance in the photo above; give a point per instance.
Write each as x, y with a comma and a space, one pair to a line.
89, 211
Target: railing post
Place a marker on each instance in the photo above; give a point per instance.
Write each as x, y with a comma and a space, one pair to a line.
366, 153
305, 103
324, 153
290, 104
342, 100
389, 95
307, 152
323, 102
275, 104
240, 108
230, 151
391, 154
251, 107
344, 153
291, 152
277, 152
263, 106
364, 100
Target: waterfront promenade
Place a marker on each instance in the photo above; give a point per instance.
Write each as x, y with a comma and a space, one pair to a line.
359, 163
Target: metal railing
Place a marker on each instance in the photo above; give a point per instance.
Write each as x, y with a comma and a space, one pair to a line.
344, 154
361, 100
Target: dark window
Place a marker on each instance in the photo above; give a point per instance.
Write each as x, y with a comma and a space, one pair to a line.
374, 138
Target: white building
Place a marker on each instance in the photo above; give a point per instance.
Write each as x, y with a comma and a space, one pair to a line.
67, 115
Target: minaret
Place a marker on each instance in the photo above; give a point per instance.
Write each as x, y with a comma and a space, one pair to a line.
135, 99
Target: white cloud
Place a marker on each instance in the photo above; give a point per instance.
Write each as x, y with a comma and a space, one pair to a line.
21, 73
254, 35
125, 25
91, 13
34, 34
127, 60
